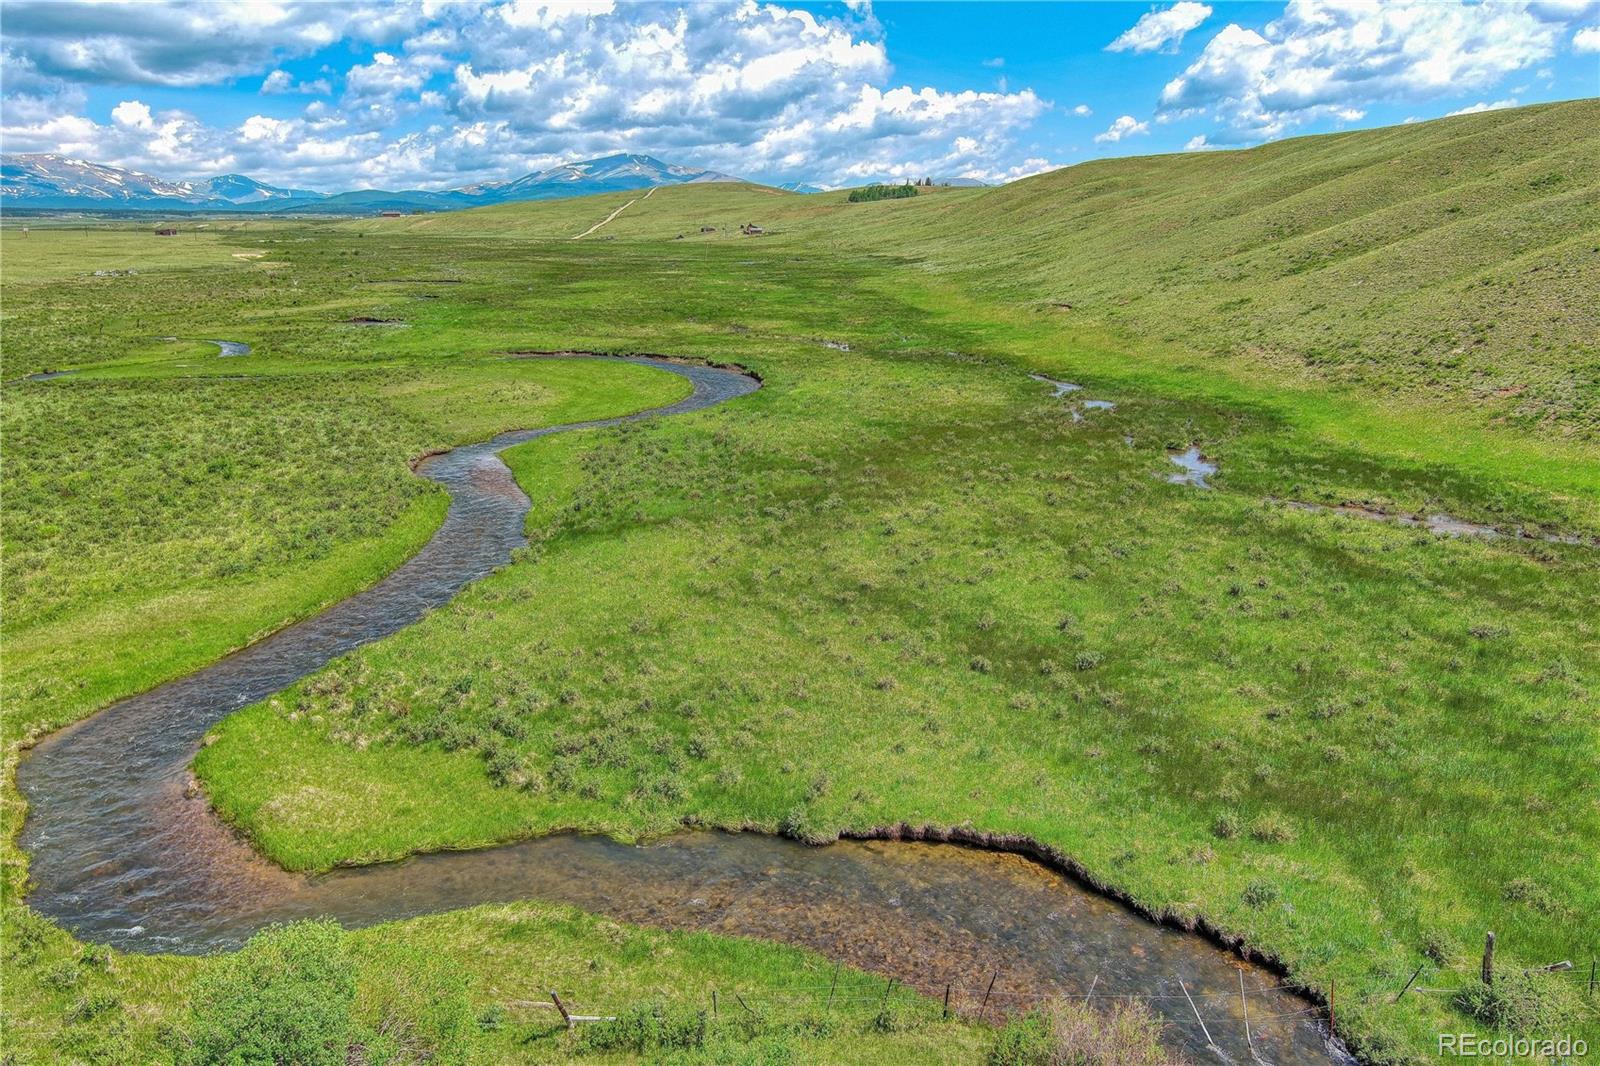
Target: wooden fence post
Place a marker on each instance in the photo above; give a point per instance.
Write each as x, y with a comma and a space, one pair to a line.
1210, 1043
1555, 967
1409, 983
561, 1007
1244, 1005
1488, 959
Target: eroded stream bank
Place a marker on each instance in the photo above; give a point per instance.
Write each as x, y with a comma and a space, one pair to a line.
124, 853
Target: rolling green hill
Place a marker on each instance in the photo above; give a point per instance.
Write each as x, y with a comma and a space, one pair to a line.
1455, 260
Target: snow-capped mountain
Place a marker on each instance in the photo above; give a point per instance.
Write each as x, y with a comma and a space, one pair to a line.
238, 189
36, 178
55, 182
612, 173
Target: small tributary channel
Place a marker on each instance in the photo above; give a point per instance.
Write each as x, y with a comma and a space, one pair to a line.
124, 853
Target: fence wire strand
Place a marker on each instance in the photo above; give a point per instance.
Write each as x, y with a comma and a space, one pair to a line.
990, 997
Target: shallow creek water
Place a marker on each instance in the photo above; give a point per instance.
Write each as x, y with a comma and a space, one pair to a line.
1066, 388
122, 852
224, 348
1194, 468
1061, 388
1441, 524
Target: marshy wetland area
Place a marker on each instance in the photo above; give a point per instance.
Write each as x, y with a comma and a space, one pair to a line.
1155, 604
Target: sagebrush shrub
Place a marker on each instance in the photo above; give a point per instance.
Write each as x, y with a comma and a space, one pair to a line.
1521, 1002
646, 1028
285, 997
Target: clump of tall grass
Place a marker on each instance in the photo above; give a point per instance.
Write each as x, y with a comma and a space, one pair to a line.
645, 1028
1531, 893
1521, 1002
1272, 828
1260, 893
1074, 1034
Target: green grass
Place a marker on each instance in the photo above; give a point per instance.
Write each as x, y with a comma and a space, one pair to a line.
901, 583
1220, 658
166, 505
65, 1002
1450, 263
71, 253
155, 522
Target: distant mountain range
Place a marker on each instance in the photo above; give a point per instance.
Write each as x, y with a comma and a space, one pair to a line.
53, 182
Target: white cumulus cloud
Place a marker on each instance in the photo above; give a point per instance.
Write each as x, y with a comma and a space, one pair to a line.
1481, 106
1124, 126
1327, 58
752, 88
281, 81
133, 114
176, 43
1161, 29
444, 94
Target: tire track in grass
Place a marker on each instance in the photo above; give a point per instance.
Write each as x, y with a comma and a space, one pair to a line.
614, 214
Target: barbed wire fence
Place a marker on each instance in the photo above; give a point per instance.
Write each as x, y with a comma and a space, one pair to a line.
1242, 1016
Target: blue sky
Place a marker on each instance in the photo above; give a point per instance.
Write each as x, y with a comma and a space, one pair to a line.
357, 94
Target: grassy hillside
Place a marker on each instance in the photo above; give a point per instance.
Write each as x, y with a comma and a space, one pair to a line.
668, 211
1456, 260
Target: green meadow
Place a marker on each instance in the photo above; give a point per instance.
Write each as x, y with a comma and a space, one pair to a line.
903, 582
473, 986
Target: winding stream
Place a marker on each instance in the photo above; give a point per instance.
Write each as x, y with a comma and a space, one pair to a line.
123, 853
